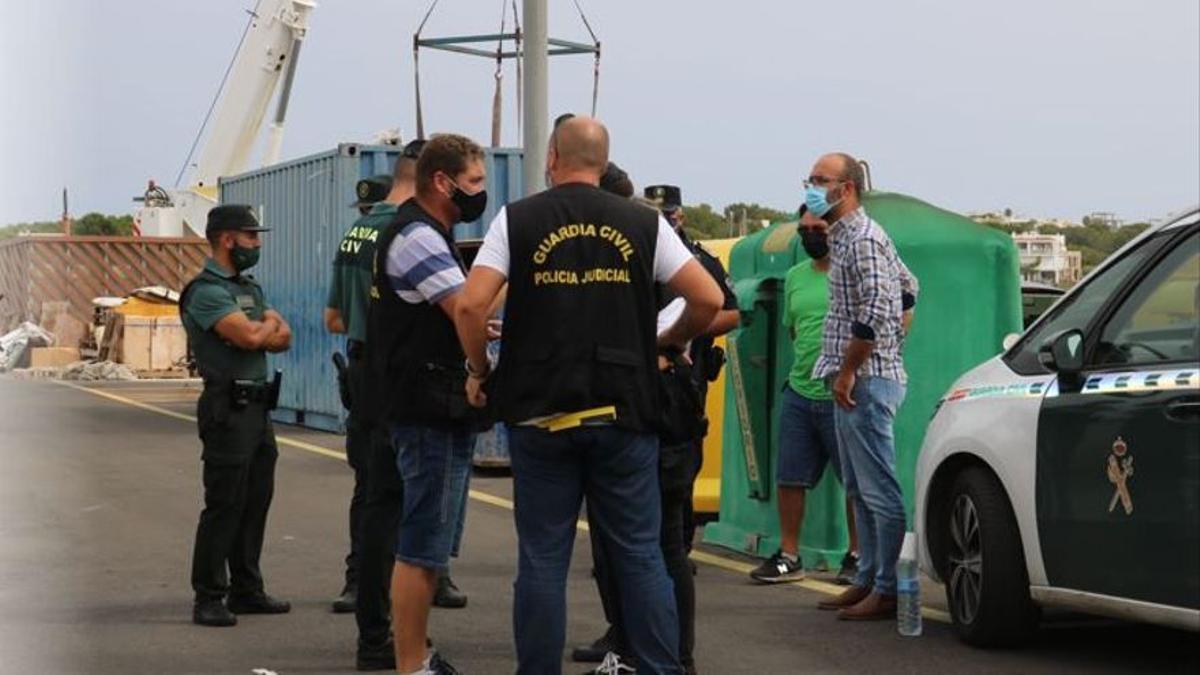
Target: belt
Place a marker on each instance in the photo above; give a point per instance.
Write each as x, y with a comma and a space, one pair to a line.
251, 390
593, 417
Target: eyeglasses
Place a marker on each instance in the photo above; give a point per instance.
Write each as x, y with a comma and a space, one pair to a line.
821, 181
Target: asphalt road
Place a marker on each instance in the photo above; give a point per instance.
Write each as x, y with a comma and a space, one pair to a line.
98, 506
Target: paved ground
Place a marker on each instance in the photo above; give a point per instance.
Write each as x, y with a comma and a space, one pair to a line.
99, 499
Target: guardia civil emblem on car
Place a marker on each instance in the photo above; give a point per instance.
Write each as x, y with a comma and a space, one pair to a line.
1120, 470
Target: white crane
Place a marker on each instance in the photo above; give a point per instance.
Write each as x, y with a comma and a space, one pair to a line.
269, 51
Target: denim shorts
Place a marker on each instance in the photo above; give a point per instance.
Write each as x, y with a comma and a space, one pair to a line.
435, 465
807, 441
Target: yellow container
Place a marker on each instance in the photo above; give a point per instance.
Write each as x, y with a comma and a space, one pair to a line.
707, 495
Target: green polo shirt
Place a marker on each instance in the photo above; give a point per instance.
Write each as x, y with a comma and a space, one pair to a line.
215, 294
353, 267
806, 301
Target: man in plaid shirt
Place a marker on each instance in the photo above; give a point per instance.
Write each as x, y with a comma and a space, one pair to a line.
871, 295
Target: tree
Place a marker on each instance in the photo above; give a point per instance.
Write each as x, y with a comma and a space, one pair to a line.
98, 224
17, 229
701, 222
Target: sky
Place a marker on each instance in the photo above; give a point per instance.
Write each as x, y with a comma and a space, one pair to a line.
1053, 108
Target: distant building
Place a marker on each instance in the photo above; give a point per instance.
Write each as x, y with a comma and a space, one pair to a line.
1106, 218
1046, 259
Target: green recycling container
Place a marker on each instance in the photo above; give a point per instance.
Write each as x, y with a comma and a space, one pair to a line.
970, 300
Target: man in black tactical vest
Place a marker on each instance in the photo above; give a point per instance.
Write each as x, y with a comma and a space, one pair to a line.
577, 385
680, 442
706, 359
417, 366
230, 327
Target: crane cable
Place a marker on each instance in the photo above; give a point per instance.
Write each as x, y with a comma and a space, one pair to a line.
498, 96
520, 75
220, 88
417, 69
596, 66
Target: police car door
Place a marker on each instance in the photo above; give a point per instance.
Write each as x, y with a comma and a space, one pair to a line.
1118, 456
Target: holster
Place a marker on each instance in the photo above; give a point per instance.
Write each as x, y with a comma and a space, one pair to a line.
714, 360
680, 407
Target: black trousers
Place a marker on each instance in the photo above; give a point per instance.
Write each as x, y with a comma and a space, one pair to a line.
358, 456
676, 474
239, 481
381, 518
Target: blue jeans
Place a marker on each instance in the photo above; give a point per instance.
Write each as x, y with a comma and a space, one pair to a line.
618, 472
868, 450
435, 465
807, 441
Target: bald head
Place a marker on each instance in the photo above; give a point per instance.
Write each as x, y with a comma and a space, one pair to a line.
580, 145
846, 168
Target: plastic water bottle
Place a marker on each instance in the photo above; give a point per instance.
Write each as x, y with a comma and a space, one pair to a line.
908, 588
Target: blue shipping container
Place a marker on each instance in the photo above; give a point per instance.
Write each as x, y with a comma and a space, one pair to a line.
306, 202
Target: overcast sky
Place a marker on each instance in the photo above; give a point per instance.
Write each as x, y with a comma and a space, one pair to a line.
1052, 108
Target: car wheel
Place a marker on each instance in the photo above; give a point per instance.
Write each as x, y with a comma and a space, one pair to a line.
987, 585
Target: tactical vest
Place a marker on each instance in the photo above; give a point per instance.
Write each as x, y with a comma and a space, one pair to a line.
579, 322
214, 357
416, 360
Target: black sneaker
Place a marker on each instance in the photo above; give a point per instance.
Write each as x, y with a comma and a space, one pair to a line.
447, 594
212, 613
381, 657
441, 666
849, 569
778, 569
612, 665
595, 652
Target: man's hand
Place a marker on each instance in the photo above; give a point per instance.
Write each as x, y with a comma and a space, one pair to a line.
906, 321
495, 328
281, 339
843, 387
475, 395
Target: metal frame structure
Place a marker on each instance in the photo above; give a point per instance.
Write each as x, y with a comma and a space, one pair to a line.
454, 44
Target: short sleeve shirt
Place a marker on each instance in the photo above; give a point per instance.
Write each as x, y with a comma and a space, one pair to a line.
350, 290
670, 254
214, 295
421, 266
806, 297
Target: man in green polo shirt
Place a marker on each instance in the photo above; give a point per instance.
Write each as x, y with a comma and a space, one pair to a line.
230, 327
807, 441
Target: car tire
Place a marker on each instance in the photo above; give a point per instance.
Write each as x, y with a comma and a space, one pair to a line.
987, 584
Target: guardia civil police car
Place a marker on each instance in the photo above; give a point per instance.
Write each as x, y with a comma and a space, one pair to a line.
1065, 472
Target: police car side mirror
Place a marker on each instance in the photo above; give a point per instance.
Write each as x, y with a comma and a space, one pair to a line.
1010, 341
1063, 353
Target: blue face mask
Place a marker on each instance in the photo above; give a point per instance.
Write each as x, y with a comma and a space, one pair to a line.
815, 199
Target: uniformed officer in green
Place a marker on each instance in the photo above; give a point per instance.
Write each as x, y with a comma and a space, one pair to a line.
346, 314
230, 328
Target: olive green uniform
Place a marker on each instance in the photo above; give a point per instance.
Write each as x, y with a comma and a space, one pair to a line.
239, 442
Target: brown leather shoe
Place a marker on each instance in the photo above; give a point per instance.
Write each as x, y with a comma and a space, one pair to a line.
848, 598
874, 607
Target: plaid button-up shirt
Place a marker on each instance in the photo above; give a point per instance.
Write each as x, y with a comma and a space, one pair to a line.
866, 280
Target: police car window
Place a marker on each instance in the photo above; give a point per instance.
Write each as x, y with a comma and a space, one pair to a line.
1078, 310
1159, 322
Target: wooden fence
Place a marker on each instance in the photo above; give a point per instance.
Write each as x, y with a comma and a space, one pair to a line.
38, 270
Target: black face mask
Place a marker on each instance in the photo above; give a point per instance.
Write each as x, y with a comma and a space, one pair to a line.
816, 244
470, 207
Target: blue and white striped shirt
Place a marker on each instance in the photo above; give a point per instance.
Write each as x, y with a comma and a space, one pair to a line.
866, 280
421, 267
